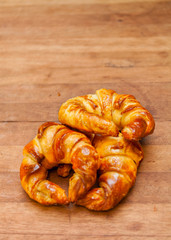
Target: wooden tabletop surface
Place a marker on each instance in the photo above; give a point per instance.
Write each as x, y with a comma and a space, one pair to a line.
53, 50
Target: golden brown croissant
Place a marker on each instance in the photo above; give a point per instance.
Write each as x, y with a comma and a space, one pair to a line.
119, 159
56, 144
107, 112
64, 170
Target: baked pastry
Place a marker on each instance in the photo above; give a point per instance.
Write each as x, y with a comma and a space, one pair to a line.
56, 144
107, 112
63, 170
118, 163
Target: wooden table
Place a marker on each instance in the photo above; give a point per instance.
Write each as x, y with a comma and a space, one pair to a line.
53, 50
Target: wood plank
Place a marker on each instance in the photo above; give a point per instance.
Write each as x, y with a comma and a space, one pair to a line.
141, 12
99, 19
94, 26
32, 102
146, 93
156, 158
86, 46
77, 2
150, 187
108, 73
58, 56
43, 59
20, 133
41, 29
74, 220
75, 237
49, 111
97, 27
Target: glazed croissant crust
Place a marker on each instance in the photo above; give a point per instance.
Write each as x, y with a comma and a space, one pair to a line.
56, 144
107, 112
119, 159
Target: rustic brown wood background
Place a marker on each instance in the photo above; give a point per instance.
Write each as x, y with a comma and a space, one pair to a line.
53, 50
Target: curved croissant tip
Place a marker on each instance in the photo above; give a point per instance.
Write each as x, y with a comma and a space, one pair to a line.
127, 133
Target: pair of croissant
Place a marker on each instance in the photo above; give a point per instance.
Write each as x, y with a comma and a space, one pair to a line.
116, 155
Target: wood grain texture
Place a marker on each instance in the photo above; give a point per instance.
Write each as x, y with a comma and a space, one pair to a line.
54, 50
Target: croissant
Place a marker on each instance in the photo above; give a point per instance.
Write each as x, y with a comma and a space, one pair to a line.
107, 112
118, 163
56, 144
64, 170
